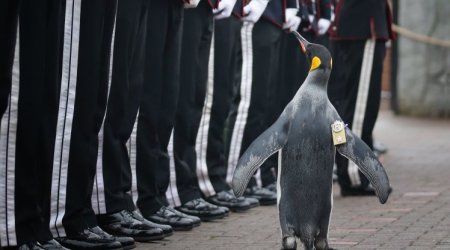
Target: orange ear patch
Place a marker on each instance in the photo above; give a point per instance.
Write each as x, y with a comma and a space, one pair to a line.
315, 63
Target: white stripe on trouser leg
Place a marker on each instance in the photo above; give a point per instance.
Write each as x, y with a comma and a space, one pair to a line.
98, 194
132, 147
65, 116
8, 156
244, 104
361, 103
201, 142
172, 191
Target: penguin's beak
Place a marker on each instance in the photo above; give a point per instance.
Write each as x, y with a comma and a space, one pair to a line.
303, 42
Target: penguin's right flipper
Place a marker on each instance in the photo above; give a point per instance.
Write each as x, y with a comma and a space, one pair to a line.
269, 142
357, 151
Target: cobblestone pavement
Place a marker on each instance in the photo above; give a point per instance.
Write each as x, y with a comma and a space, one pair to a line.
417, 215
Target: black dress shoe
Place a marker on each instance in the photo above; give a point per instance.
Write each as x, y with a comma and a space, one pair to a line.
272, 187
379, 148
88, 239
123, 224
226, 199
202, 209
126, 242
167, 229
39, 245
264, 195
197, 221
169, 216
359, 191
34, 245
252, 201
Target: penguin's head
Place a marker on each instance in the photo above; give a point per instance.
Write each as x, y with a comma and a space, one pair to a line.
318, 56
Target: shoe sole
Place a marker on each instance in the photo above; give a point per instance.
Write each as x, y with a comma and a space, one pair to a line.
129, 247
267, 203
180, 228
168, 234
149, 238
175, 228
254, 205
97, 248
239, 210
216, 217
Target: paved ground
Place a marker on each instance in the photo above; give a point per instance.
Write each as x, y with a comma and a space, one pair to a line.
417, 215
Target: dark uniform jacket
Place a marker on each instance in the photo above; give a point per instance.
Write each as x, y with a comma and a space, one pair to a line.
361, 20
212, 3
318, 8
275, 11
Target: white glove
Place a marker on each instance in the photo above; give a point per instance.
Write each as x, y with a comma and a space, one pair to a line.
323, 25
292, 20
254, 10
191, 4
224, 9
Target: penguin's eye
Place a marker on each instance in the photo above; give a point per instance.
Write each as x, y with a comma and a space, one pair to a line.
315, 63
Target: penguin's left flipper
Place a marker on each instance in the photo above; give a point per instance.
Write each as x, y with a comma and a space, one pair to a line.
357, 151
265, 145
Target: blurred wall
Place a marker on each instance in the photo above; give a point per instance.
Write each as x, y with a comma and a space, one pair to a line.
423, 82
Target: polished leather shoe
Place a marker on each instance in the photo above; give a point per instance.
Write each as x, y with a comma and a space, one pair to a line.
359, 191
88, 239
123, 224
169, 216
126, 242
226, 199
379, 148
272, 187
202, 209
197, 221
39, 245
252, 201
264, 195
167, 229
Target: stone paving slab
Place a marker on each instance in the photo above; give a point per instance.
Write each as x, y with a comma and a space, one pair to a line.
416, 216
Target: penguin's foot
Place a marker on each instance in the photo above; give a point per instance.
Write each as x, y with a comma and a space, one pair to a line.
321, 244
289, 243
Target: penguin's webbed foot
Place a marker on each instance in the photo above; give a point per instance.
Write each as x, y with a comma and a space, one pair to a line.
289, 243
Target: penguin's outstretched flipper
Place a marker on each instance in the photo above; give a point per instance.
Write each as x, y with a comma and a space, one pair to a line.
357, 151
265, 145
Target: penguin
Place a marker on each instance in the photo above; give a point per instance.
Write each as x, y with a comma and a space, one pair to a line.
307, 135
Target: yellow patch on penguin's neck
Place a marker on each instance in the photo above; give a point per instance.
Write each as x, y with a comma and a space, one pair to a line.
315, 63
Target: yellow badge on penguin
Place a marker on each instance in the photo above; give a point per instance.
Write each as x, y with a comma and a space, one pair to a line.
338, 131
315, 63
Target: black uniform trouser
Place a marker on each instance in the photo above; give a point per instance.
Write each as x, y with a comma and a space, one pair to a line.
33, 76
227, 43
197, 33
261, 114
294, 67
93, 70
8, 29
158, 103
123, 102
343, 92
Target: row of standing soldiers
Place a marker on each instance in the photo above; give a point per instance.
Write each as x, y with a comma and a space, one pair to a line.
123, 120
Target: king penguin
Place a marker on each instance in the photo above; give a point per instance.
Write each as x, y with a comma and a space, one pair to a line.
306, 136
